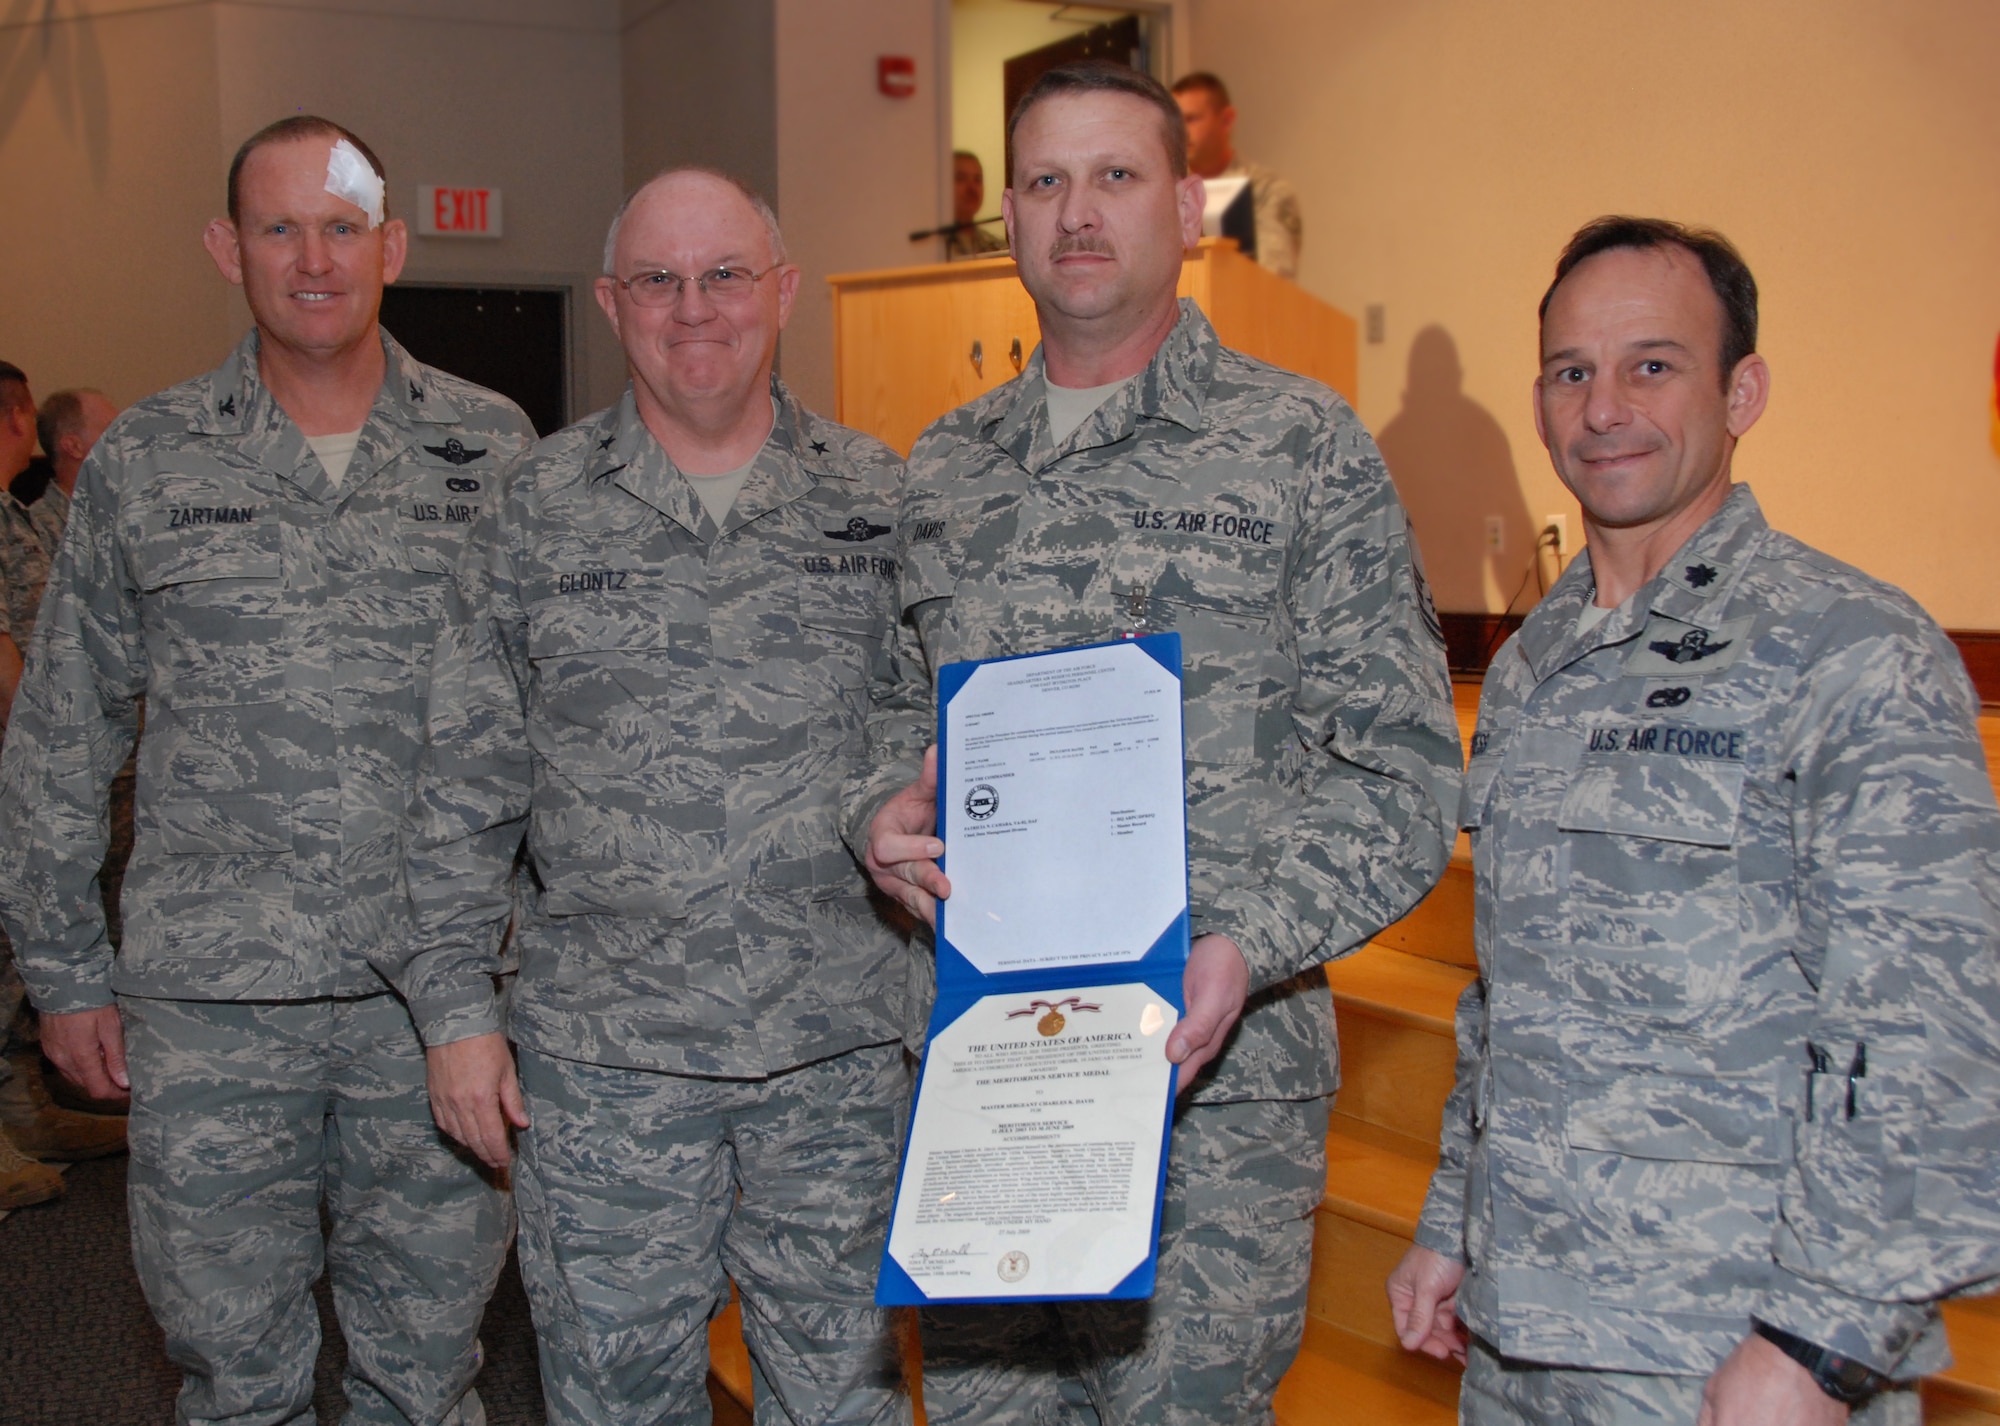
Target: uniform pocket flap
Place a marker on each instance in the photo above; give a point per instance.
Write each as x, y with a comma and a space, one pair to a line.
1659, 790
230, 822
1680, 1120
843, 606
930, 571
595, 623
208, 553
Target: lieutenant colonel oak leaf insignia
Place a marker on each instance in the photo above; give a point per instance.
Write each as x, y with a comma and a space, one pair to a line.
858, 529
1692, 647
1701, 576
454, 452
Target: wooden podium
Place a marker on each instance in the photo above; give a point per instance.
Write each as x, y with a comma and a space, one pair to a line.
910, 343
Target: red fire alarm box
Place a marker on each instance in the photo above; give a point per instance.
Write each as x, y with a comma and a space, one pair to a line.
896, 75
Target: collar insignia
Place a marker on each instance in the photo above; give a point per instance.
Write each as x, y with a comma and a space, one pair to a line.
607, 442
227, 408
416, 392
1701, 575
819, 448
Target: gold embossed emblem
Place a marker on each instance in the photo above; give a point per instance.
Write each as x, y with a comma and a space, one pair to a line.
1051, 1023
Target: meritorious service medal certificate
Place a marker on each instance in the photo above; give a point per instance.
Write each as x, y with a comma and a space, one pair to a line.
1038, 1142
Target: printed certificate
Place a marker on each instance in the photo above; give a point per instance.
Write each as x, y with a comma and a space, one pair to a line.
1038, 1143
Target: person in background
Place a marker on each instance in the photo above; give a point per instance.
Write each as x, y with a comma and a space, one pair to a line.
1727, 1117
32, 1127
1211, 123
968, 196
253, 552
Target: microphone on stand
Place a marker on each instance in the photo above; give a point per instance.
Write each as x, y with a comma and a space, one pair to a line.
950, 228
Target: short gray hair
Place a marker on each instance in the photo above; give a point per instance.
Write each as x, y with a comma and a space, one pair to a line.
750, 196
62, 415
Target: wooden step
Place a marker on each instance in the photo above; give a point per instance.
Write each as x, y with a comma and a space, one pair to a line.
1377, 1176
1340, 1379
1397, 1052
1973, 1378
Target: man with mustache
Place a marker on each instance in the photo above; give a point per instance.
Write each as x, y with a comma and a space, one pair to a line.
1140, 476
1727, 1119
247, 552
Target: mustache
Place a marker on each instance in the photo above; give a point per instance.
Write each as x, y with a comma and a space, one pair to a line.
1080, 243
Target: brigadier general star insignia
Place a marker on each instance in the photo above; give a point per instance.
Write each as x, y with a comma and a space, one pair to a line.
1701, 575
819, 448
858, 529
454, 452
606, 443
1692, 647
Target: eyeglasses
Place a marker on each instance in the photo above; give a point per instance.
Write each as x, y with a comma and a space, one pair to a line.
719, 285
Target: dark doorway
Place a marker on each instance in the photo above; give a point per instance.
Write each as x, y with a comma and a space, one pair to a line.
513, 340
1120, 41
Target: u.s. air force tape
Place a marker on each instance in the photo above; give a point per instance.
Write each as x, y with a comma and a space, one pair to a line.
349, 176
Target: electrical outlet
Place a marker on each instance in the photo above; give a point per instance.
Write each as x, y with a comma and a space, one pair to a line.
1560, 524
1496, 535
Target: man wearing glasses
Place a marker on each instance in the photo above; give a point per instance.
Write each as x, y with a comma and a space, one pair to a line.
657, 668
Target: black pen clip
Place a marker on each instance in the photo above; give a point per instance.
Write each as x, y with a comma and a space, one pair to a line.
1822, 1063
1856, 1069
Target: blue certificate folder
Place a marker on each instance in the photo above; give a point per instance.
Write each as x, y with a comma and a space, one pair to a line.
962, 986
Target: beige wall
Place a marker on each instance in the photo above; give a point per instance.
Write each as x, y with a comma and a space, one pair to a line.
107, 164
985, 34
701, 88
124, 135
858, 172
1444, 150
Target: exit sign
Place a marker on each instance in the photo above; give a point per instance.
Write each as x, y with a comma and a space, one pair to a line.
458, 212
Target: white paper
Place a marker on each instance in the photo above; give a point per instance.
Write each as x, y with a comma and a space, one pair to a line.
1065, 823
1034, 1156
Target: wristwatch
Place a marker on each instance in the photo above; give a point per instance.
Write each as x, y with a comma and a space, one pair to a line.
1842, 1378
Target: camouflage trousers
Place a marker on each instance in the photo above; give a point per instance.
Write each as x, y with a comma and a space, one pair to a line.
245, 1118
639, 1191
1224, 1321
1499, 1391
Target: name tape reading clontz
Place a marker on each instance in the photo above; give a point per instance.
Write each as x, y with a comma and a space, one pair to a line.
349, 176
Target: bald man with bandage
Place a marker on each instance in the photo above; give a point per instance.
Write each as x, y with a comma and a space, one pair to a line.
261, 553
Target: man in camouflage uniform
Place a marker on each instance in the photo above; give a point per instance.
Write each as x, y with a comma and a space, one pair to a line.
1211, 125
254, 552
1248, 509
658, 666
1725, 1126
69, 423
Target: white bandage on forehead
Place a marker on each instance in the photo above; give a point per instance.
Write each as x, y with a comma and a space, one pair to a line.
349, 176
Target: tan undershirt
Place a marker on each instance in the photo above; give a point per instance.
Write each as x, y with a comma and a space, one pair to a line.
335, 452
1071, 406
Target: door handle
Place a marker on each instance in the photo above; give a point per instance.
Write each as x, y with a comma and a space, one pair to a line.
1014, 354
978, 357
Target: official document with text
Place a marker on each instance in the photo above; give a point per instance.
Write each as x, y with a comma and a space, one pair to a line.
1037, 1147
